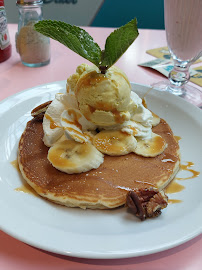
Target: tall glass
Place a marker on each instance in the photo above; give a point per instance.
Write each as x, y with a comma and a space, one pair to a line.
183, 24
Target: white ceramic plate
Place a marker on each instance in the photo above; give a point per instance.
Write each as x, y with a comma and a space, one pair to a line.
98, 233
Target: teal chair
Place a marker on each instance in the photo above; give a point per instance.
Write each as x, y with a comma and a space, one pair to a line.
114, 13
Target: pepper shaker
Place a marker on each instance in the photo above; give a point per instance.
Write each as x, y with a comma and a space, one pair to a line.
33, 47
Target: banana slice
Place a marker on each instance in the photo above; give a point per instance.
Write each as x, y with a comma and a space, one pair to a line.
114, 143
73, 122
150, 147
72, 128
73, 157
51, 122
155, 120
89, 135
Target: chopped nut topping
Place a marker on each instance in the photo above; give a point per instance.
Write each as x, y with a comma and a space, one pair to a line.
40, 110
146, 203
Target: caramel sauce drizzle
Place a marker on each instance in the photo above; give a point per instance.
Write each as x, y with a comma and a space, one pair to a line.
77, 124
106, 145
89, 137
144, 102
186, 167
118, 117
108, 108
158, 144
76, 134
53, 125
75, 117
103, 106
177, 138
91, 109
133, 129
109, 142
15, 164
89, 79
74, 131
174, 187
26, 188
170, 201
67, 89
55, 157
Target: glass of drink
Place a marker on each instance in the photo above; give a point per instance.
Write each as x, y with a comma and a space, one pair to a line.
183, 24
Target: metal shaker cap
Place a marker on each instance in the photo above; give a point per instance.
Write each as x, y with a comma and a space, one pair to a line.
29, 2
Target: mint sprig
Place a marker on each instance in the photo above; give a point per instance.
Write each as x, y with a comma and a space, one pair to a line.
118, 42
73, 37
79, 41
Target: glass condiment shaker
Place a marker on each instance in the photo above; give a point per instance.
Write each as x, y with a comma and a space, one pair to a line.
33, 47
5, 46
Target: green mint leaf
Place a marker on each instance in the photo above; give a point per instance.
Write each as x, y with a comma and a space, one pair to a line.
118, 42
73, 37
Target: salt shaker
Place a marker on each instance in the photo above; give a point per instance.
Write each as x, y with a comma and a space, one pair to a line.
33, 47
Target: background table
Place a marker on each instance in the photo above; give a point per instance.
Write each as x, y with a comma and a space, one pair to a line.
15, 77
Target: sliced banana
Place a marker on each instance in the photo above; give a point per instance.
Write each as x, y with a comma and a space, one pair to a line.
114, 143
51, 122
73, 157
150, 147
89, 135
72, 128
155, 120
73, 123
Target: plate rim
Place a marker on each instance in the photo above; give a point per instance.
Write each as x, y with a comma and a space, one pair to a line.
95, 255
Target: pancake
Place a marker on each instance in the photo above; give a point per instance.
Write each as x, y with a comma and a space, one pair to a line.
105, 187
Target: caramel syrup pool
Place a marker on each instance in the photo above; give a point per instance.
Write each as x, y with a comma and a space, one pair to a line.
173, 187
25, 188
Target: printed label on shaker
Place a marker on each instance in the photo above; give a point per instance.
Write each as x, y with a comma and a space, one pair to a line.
4, 35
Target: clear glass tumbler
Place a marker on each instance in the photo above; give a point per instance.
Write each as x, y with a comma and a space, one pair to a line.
33, 47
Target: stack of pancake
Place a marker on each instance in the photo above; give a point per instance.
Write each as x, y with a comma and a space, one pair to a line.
105, 187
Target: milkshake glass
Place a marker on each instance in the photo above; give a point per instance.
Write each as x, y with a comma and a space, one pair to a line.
183, 24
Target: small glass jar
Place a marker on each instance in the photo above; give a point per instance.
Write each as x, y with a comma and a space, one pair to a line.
33, 47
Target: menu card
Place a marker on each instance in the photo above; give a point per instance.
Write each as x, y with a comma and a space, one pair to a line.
164, 64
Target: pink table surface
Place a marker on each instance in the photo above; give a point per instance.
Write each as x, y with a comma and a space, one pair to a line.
14, 77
